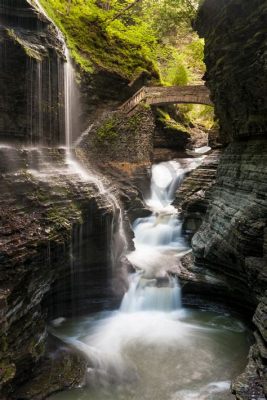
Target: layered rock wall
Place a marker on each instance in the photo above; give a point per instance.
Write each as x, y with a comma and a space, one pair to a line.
31, 76
232, 238
54, 246
235, 56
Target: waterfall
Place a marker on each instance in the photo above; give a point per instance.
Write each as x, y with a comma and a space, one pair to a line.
151, 348
69, 81
71, 99
151, 294
158, 243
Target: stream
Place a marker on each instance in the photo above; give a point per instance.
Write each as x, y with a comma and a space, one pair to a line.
152, 348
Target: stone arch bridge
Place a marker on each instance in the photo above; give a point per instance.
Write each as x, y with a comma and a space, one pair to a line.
161, 95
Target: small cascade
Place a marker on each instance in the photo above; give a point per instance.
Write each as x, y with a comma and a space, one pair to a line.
158, 239
151, 294
158, 243
165, 179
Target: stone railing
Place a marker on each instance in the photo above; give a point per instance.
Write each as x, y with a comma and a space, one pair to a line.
159, 95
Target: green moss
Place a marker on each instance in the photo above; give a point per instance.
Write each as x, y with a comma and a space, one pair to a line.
170, 123
108, 130
62, 218
97, 41
8, 371
133, 123
30, 49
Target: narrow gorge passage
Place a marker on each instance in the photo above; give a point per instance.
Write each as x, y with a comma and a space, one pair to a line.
133, 229
152, 348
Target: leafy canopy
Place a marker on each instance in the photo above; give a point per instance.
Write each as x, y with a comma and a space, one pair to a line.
131, 36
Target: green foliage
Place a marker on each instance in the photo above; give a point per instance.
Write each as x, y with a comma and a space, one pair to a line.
96, 40
169, 122
128, 37
108, 130
152, 36
198, 114
175, 71
169, 17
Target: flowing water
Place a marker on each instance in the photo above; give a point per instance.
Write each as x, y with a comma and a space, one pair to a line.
46, 170
152, 348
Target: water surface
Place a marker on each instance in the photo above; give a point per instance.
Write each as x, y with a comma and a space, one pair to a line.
183, 355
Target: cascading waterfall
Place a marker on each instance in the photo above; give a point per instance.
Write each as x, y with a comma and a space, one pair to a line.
159, 242
151, 348
50, 159
68, 93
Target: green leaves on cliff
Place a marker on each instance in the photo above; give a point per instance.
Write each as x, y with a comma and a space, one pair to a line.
130, 36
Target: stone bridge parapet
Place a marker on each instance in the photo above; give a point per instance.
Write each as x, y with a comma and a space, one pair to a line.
160, 95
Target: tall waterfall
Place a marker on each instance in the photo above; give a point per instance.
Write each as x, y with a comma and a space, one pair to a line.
72, 165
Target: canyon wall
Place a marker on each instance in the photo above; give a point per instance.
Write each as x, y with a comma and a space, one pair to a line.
31, 76
54, 262
232, 238
55, 227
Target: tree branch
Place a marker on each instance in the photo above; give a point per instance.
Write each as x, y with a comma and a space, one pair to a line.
126, 9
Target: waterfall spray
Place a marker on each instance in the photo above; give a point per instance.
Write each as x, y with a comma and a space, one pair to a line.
119, 241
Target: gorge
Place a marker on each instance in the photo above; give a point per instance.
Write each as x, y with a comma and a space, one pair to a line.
133, 247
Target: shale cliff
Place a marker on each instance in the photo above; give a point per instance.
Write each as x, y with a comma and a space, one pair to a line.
232, 238
31, 77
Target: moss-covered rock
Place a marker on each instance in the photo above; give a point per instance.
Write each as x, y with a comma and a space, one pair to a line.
121, 138
96, 43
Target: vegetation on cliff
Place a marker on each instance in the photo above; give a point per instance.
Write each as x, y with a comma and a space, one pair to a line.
128, 37
133, 38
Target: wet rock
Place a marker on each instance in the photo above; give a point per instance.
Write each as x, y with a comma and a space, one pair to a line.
235, 56
31, 76
60, 369
46, 217
232, 238
193, 196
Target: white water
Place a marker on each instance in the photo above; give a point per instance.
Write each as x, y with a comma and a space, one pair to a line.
159, 242
69, 85
150, 332
150, 311
119, 241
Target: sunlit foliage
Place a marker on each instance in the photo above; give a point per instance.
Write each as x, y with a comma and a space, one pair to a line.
131, 36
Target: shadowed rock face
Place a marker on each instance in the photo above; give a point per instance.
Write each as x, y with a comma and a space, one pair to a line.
31, 76
55, 237
235, 55
47, 212
232, 238
194, 194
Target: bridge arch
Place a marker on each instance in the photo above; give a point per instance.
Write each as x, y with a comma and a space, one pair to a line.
161, 95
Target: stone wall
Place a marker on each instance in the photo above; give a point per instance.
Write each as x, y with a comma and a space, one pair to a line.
120, 138
232, 238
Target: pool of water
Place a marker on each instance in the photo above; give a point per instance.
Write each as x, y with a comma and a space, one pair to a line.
152, 348
154, 355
